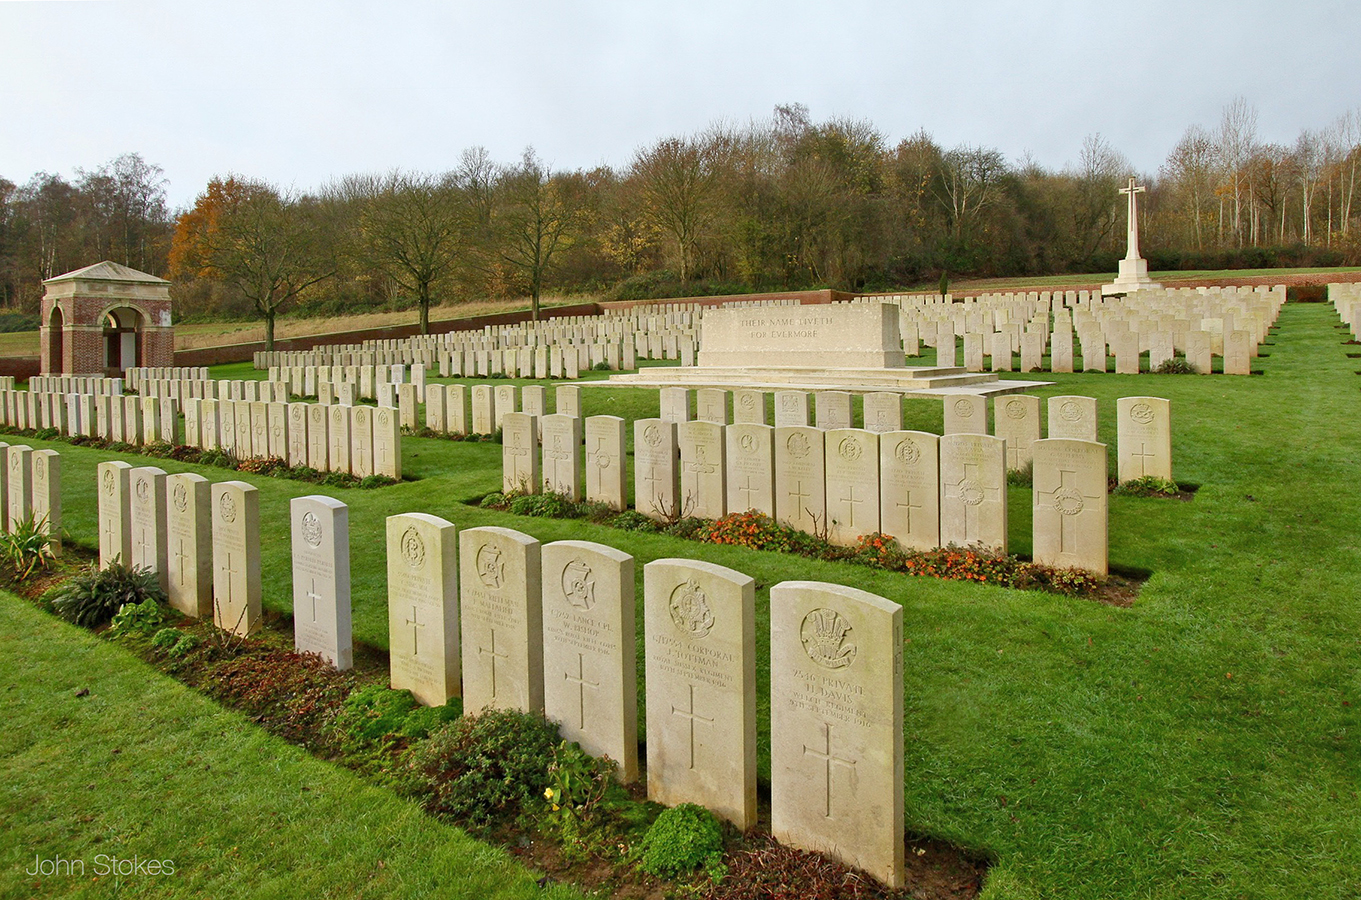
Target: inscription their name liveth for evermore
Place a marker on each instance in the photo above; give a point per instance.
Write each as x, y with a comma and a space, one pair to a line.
782, 329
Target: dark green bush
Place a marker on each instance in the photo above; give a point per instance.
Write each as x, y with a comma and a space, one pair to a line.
683, 839
632, 520
93, 595
174, 642
373, 713
1177, 365
548, 506
1148, 486
485, 768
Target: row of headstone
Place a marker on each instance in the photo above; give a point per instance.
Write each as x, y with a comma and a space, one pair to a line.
481, 408
512, 624
250, 390
1143, 428
1346, 299
1198, 324
137, 375
69, 384
127, 419
30, 483
360, 440
556, 466
924, 490
201, 540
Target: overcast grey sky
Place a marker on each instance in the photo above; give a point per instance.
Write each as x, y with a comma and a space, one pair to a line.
301, 92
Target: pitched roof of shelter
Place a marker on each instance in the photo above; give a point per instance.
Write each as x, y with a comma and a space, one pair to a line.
108, 271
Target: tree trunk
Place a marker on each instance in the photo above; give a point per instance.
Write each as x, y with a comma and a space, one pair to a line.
269, 330
424, 297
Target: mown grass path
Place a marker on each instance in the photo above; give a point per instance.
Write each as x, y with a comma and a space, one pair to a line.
1200, 744
145, 767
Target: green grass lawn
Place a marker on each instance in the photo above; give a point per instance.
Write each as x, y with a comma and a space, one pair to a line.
145, 767
1200, 744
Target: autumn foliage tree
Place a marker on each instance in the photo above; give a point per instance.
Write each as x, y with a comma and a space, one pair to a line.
260, 242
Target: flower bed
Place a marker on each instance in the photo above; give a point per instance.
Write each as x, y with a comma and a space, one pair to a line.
758, 531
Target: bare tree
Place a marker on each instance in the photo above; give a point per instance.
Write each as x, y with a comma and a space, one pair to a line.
1309, 157
969, 181
413, 228
1101, 168
677, 177
1191, 166
536, 216
1237, 137
263, 244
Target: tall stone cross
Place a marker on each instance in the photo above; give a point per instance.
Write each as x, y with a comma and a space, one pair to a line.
1132, 227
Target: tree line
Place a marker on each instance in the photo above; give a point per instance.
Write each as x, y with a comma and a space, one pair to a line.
782, 203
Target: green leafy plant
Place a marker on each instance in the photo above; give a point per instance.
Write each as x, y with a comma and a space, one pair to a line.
485, 768
174, 642
25, 547
93, 595
1147, 486
1022, 477
1177, 365
632, 520
681, 840
374, 713
549, 506
137, 618
578, 785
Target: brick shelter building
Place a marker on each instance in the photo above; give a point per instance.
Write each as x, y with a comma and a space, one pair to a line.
104, 319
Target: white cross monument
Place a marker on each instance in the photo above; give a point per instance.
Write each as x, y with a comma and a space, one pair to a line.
1133, 268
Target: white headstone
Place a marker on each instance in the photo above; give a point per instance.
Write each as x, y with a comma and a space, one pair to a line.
321, 579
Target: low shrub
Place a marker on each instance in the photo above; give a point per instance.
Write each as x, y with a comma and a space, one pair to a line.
375, 713
632, 520
93, 595
174, 642
1148, 486
756, 531
1177, 365
547, 506
487, 768
143, 618
579, 799
293, 695
681, 840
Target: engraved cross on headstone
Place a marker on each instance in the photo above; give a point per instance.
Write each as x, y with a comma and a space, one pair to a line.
180, 557
227, 568
1142, 456
908, 507
693, 717
749, 490
314, 597
851, 501
495, 655
1069, 524
415, 623
579, 679
829, 760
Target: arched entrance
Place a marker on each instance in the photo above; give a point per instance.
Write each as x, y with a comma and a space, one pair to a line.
122, 344
104, 319
56, 340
